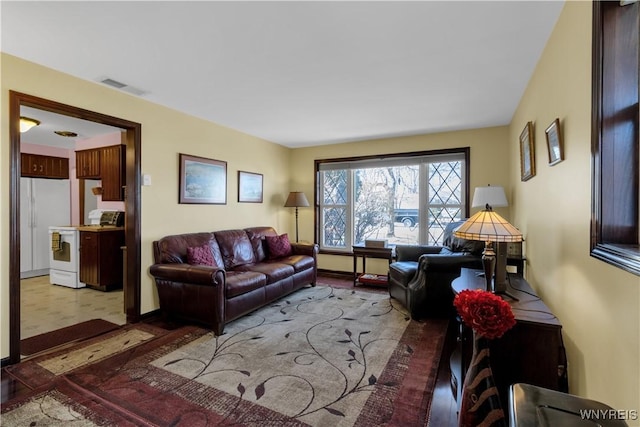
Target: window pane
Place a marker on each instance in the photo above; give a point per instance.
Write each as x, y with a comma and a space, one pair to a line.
386, 204
445, 183
445, 198
335, 187
335, 226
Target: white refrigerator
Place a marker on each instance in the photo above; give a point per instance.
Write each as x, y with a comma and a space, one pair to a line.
43, 203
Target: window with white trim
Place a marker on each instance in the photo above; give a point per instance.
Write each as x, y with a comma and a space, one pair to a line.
401, 198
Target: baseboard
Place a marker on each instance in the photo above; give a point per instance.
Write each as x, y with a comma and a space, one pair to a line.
5, 362
336, 274
150, 315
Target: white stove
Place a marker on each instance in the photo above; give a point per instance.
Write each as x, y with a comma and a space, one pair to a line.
64, 256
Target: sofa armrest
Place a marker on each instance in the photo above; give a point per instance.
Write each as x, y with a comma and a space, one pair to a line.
186, 273
413, 252
310, 249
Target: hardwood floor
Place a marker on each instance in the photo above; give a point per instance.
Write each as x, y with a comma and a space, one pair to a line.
443, 406
444, 409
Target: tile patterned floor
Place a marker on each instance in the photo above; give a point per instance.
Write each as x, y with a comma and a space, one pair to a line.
45, 307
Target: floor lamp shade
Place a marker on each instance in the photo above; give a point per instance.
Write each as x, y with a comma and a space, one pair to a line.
296, 199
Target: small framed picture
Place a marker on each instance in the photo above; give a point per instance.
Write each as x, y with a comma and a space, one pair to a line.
555, 143
202, 180
527, 154
249, 187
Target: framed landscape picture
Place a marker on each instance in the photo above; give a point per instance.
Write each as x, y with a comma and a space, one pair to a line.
527, 155
202, 180
554, 143
249, 187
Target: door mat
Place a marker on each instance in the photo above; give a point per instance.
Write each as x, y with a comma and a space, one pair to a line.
81, 331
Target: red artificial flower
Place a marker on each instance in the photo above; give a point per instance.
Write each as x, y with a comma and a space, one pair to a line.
488, 314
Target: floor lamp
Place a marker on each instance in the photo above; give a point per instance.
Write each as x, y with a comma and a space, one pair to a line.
296, 199
490, 227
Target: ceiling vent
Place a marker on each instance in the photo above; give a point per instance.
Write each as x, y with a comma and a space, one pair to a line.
122, 86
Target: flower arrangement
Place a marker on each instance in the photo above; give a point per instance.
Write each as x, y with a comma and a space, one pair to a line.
488, 314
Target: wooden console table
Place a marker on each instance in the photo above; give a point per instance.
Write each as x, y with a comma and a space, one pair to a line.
531, 352
369, 252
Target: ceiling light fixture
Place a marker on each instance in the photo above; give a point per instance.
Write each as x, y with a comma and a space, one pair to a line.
65, 133
27, 123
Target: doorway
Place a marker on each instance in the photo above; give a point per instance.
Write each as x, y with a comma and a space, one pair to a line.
131, 283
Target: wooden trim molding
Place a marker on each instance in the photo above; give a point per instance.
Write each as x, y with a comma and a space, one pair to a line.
132, 206
615, 140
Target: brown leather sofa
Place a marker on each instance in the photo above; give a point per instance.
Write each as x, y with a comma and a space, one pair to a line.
247, 277
421, 276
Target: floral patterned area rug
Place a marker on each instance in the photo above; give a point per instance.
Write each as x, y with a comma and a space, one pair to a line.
319, 357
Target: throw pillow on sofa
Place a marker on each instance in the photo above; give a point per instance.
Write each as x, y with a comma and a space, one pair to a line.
279, 246
201, 255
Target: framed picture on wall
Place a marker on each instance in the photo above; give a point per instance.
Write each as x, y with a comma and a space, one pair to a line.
527, 154
249, 187
202, 180
555, 143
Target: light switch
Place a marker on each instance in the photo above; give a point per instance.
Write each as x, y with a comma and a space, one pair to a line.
146, 179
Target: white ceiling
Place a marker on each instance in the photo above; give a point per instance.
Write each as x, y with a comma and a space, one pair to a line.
44, 133
299, 73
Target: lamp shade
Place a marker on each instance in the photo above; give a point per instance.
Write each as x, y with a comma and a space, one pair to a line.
488, 226
296, 199
490, 195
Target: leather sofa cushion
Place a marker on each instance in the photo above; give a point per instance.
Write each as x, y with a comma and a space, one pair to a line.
173, 249
256, 236
235, 247
241, 282
298, 262
274, 271
402, 271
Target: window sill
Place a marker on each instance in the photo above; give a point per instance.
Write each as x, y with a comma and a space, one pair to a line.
626, 257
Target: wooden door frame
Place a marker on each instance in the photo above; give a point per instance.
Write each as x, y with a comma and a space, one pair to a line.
132, 206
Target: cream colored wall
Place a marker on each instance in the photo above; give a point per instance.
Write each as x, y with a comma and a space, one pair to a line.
165, 133
489, 165
598, 304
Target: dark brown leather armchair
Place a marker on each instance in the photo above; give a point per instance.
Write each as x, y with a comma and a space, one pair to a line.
421, 276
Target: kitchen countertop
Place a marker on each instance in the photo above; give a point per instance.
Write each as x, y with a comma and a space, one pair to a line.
99, 228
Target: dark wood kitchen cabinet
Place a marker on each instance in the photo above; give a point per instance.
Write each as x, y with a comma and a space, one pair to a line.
88, 164
101, 257
112, 172
106, 164
40, 166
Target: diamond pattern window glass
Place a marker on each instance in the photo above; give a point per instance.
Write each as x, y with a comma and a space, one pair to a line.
404, 199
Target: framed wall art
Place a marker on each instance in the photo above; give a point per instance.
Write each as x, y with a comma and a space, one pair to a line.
555, 143
249, 187
527, 154
202, 180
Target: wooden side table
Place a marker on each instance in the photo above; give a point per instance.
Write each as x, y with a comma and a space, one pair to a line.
370, 252
531, 352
